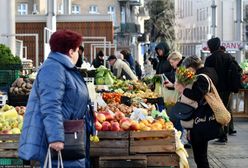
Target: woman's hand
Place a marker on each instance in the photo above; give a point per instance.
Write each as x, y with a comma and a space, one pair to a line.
179, 87
168, 84
58, 146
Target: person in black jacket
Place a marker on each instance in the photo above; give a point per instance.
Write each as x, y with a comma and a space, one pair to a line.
163, 67
99, 60
205, 126
220, 61
80, 56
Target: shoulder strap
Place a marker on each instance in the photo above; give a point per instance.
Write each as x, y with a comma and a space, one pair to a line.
210, 83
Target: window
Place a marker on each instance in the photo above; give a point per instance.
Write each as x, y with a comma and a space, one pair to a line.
111, 9
75, 9
60, 9
93, 9
22, 9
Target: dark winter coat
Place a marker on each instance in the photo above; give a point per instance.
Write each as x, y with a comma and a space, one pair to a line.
164, 66
97, 62
59, 93
220, 61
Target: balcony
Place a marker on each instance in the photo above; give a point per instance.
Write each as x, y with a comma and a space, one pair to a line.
130, 28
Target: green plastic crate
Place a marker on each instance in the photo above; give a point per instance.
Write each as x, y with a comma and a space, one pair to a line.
10, 162
7, 77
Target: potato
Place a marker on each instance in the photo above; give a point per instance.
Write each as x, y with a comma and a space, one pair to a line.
19, 82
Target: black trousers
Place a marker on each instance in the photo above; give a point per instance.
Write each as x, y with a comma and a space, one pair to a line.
225, 129
200, 149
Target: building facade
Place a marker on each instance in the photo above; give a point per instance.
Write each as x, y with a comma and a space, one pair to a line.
199, 20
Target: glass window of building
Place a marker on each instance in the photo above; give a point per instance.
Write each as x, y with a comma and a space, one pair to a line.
111, 9
75, 9
22, 9
93, 9
60, 9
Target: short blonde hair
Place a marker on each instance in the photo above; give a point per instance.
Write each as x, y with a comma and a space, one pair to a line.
175, 56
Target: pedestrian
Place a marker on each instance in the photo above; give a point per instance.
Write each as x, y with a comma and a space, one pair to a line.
220, 61
120, 69
163, 67
205, 127
99, 60
80, 56
59, 93
129, 58
138, 70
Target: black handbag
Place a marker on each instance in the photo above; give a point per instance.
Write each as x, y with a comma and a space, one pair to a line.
74, 144
181, 111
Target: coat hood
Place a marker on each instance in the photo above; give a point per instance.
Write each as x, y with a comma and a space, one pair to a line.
165, 47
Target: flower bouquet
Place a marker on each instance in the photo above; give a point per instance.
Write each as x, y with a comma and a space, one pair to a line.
185, 76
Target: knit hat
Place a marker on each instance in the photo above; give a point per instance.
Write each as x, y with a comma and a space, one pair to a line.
213, 44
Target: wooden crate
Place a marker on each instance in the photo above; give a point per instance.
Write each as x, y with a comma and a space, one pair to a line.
111, 144
9, 145
137, 161
145, 142
163, 160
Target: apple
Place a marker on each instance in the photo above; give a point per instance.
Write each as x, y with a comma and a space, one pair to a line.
134, 126
6, 132
126, 124
119, 115
18, 108
108, 115
98, 126
100, 117
106, 126
115, 126
124, 119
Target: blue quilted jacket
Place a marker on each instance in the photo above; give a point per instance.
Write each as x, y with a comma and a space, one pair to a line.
58, 93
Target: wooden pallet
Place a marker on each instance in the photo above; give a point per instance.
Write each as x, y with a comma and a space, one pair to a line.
146, 142
163, 160
9, 145
137, 161
111, 144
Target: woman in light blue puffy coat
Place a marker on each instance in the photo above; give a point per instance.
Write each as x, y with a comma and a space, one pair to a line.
59, 93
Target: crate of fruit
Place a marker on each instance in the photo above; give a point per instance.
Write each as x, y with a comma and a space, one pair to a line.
8, 145
111, 144
145, 142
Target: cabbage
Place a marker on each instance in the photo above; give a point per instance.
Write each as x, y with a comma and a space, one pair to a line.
108, 79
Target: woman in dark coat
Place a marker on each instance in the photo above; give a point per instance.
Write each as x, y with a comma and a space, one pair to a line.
99, 60
205, 126
163, 67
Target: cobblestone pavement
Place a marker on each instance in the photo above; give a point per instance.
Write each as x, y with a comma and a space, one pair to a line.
232, 155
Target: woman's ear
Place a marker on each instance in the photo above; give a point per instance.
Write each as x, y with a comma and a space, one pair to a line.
70, 52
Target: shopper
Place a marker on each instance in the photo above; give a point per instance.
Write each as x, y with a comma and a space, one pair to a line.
175, 59
59, 93
80, 56
205, 127
163, 67
129, 58
121, 69
220, 61
99, 60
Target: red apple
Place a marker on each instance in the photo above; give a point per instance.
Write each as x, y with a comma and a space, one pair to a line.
115, 126
18, 108
126, 125
134, 126
124, 119
119, 115
106, 126
100, 117
98, 126
108, 115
